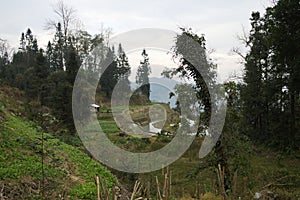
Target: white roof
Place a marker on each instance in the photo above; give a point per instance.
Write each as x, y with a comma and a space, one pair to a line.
95, 105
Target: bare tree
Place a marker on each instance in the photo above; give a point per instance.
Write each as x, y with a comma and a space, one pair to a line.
243, 38
238, 51
66, 16
4, 48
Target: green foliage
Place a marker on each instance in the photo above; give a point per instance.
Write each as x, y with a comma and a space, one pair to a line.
84, 191
109, 126
21, 156
190, 49
271, 91
118, 70
142, 75
1, 107
48, 76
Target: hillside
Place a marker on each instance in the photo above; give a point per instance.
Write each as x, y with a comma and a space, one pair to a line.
35, 164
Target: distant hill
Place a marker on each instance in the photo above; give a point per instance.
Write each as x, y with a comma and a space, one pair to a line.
160, 90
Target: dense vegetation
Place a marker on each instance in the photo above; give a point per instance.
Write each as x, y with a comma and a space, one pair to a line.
270, 95
258, 150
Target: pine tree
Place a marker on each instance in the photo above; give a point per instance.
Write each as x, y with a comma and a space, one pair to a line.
4, 58
58, 49
123, 72
142, 76
109, 77
255, 105
272, 76
36, 75
72, 61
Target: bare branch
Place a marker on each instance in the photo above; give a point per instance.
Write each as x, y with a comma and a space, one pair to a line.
237, 51
243, 37
4, 47
50, 24
66, 16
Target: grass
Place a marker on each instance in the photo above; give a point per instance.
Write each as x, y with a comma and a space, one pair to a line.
109, 126
67, 170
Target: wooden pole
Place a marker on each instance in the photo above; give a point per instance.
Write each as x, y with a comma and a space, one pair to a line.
98, 188
148, 190
158, 190
170, 188
222, 185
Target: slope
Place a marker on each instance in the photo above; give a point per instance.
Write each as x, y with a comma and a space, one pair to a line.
36, 165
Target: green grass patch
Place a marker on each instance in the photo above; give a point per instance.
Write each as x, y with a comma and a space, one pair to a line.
109, 126
22, 145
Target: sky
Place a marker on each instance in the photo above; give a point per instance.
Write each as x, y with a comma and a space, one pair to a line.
220, 21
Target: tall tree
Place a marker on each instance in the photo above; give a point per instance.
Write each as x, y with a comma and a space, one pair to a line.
256, 76
66, 17
284, 19
22, 60
271, 91
142, 76
72, 61
123, 72
36, 75
59, 48
109, 77
191, 48
4, 57
62, 24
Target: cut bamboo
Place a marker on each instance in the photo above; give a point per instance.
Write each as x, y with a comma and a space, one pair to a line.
158, 190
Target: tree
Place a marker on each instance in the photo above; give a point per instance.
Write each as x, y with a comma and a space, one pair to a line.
123, 72
65, 17
22, 60
56, 50
285, 28
109, 76
57, 94
4, 58
28, 47
271, 91
255, 110
142, 76
62, 26
72, 61
190, 48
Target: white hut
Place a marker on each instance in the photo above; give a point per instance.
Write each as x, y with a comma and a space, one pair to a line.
95, 107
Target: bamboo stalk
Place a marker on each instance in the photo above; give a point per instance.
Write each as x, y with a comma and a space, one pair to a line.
196, 190
103, 188
170, 188
158, 190
98, 188
148, 190
134, 190
222, 186
166, 187
162, 177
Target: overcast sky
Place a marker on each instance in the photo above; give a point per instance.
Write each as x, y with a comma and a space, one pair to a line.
220, 21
